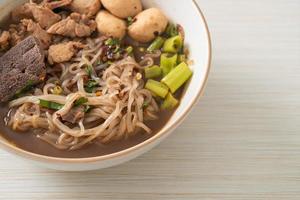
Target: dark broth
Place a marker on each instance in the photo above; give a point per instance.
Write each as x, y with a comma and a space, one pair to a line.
29, 142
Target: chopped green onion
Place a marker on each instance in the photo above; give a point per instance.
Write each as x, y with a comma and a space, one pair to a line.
80, 101
130, 20
157, 88
57, 106
177, 77
25, 89
152, 72
89, 90
171, 30
50, 105
170, 102
112, 42
89, 70
167, 63
156, 44
91, 85
173, 44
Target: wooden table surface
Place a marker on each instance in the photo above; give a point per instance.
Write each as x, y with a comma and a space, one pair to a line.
242, 140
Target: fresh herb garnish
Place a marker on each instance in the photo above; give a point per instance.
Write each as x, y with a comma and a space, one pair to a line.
156, 44
89, 70
57, 106
80, 101
51, 105
112, 42
171, 30
29, 85
130, 20
91, 84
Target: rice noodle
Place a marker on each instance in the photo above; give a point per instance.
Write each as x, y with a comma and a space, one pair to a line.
117, 113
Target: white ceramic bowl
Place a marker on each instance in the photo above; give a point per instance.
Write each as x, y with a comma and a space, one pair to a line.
186, 13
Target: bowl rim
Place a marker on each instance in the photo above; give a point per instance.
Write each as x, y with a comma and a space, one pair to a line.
43, 158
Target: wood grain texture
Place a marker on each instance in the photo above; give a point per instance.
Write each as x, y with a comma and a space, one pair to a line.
241, 142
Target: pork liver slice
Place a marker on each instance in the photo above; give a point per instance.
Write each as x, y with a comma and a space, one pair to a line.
21, 65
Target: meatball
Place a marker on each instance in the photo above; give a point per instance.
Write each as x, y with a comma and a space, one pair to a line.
87, 7
147, 25
123, 9
110, 25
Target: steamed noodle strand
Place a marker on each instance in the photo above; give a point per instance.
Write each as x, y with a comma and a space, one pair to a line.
117, 113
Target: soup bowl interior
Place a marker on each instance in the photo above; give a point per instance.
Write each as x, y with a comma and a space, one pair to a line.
197, 39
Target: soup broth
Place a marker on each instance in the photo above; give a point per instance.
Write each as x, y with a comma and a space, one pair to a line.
29, 142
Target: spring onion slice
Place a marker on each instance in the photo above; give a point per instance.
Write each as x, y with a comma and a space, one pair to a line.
152, 72
173, 44
157, 88
50, 105
156, 44
177, 77
25, 89
91, 85
170, 102
171, 30
167, 63
80, 101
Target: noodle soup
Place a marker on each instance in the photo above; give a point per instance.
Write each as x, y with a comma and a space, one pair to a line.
103, 79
